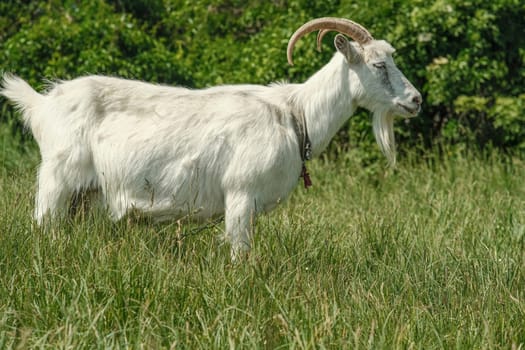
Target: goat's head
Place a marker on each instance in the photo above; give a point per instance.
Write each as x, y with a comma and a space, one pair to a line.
381, 87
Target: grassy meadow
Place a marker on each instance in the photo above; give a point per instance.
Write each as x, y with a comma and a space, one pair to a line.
429, 256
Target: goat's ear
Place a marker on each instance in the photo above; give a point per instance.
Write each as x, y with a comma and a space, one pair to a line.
348, 50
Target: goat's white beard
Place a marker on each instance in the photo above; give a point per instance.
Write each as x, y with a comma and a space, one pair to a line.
383, 123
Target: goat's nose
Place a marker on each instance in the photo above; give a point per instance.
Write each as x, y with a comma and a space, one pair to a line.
417, 99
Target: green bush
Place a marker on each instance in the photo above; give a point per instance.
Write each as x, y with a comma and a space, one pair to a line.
474, 60
467, 58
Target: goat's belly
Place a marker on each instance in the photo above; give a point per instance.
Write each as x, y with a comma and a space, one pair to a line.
172, 213
170, 187
176, 207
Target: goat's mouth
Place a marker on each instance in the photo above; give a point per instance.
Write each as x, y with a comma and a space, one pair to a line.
411, 111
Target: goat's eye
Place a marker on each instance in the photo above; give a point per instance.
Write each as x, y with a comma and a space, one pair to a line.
380, 65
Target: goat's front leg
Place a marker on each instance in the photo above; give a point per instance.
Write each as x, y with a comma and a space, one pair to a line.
240, 214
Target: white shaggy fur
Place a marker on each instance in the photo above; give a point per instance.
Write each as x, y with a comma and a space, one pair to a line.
232, 150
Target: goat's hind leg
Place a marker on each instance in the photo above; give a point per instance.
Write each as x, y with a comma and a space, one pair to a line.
52, 195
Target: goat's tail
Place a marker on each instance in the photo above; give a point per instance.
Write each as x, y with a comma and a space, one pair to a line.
24, 97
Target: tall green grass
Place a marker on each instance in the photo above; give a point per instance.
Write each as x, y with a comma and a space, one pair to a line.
428, 256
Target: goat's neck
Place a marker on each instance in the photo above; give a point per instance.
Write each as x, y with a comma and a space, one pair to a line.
327, 101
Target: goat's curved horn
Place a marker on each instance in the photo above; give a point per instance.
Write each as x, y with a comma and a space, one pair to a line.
320, 37
326, 24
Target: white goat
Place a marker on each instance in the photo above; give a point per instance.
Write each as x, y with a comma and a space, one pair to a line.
235, 150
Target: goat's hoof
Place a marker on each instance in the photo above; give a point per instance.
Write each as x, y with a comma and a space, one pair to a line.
239, 254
